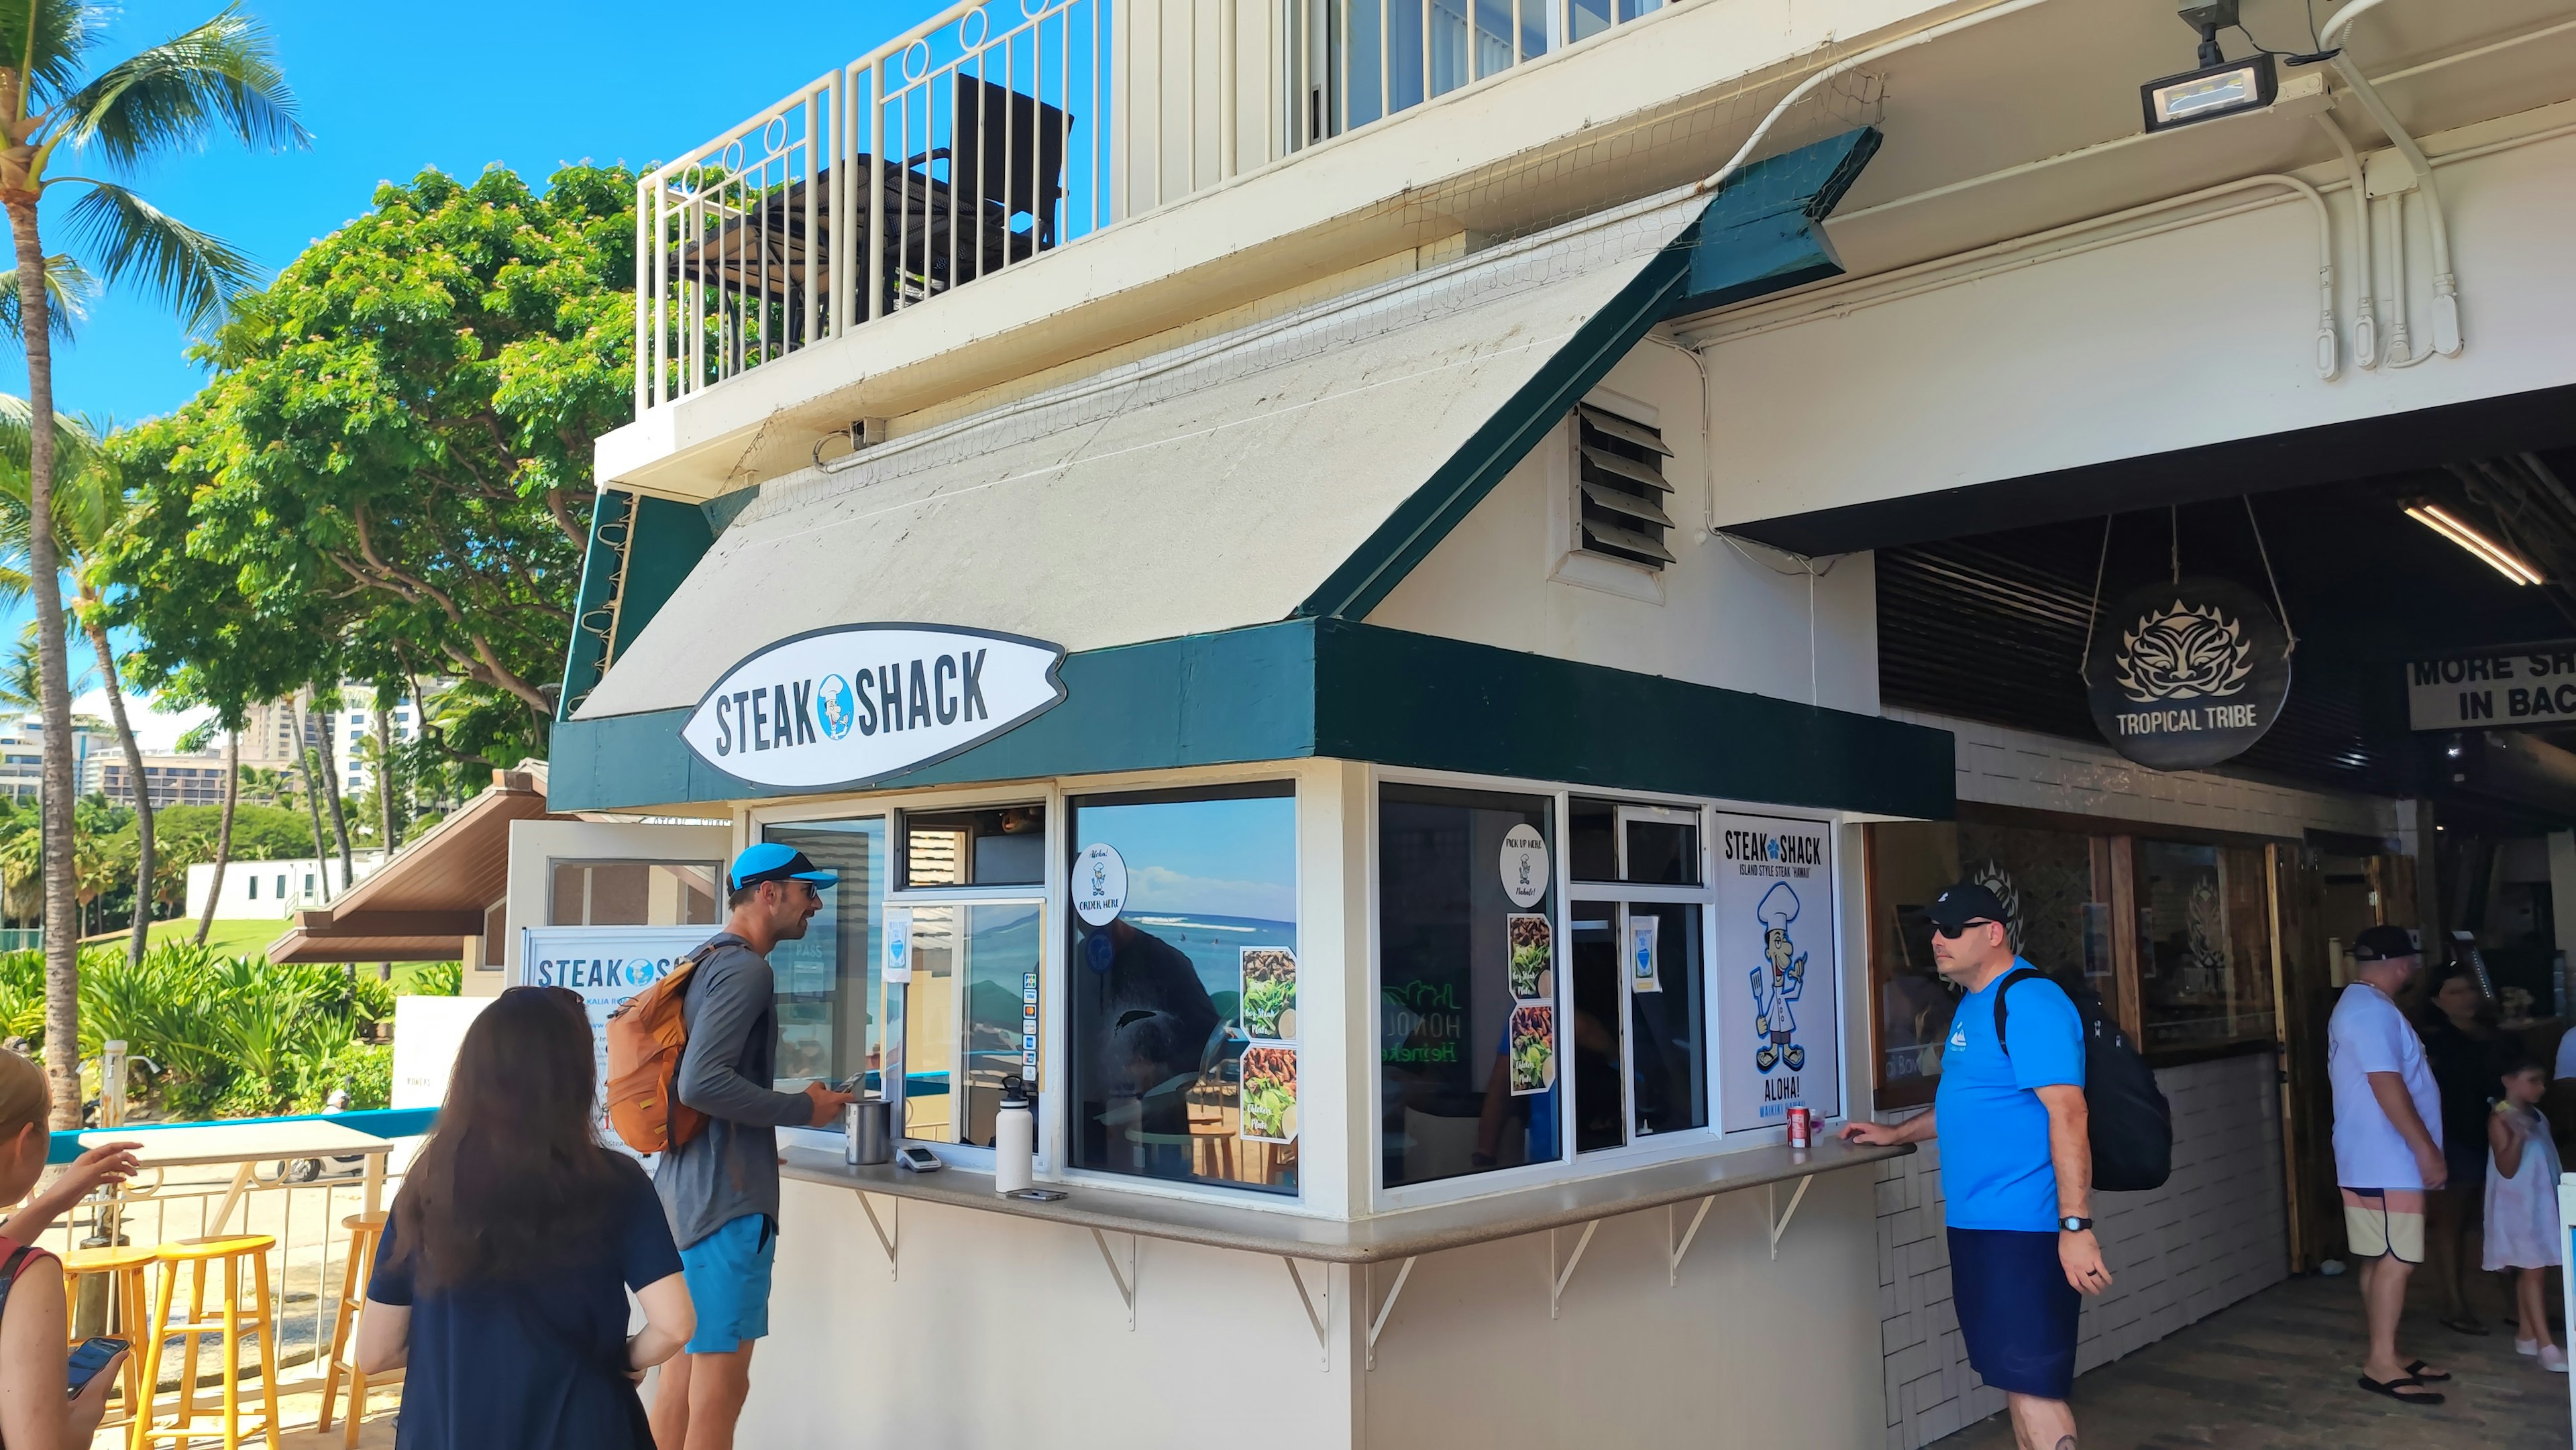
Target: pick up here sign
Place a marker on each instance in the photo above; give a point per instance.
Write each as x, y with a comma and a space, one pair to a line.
2526, 684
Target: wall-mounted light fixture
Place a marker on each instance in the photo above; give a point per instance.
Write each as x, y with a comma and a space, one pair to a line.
2494, 555
2220, 87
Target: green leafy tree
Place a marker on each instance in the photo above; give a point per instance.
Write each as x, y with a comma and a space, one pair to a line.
60, 108
396, 443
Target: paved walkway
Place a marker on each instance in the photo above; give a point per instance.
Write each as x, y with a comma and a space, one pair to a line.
2277, 1371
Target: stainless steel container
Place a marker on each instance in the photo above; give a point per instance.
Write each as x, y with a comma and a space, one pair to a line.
870, 1131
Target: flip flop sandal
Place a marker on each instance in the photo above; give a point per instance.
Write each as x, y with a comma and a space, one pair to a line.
2417, 1370
2396, 1389
2465, 1325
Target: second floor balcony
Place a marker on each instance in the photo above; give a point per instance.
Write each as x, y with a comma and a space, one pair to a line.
997, 133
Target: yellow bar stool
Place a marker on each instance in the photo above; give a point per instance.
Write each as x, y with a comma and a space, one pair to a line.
128, 1302
365, 1231
227, 1319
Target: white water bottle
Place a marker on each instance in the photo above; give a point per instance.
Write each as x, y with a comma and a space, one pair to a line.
1015, 1140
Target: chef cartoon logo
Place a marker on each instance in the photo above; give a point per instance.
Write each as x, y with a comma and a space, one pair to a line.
1778, 982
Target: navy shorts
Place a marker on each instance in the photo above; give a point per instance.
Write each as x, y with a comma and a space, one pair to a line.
2016, 1310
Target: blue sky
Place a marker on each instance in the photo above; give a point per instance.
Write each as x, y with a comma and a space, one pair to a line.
390, 88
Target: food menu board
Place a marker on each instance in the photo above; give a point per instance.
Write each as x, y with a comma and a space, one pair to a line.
1531, 972
1268, 992
1779, 1022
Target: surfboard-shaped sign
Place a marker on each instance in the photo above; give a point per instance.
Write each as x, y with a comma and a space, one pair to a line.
856, 703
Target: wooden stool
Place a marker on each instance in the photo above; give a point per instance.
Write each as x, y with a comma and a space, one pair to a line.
365, 1229
128, 1303
228, 1320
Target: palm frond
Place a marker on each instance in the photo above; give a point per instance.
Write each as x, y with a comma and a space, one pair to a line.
194, 272
221, 75
75, 441
65, 30
69, 291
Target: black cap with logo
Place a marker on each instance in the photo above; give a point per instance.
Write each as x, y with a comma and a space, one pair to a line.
2384, 943
1965, 902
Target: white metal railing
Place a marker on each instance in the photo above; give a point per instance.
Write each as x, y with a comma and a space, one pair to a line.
1000, 130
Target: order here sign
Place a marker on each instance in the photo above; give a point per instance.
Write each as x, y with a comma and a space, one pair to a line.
2530, 684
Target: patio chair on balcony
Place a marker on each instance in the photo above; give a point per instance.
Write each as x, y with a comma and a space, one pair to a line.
1005, 161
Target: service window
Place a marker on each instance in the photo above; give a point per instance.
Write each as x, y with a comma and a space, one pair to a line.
1467, 989
831, 1008
1183, 1026
1638, 1033
629, 893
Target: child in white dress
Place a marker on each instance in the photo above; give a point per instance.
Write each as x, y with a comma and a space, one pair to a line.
2522, 1205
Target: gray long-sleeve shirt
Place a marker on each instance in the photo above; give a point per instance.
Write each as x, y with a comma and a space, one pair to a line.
730, 1168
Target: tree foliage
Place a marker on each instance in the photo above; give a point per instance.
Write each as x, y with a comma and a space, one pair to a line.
393, 458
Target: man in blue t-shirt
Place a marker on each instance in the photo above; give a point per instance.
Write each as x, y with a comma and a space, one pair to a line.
2016, 1167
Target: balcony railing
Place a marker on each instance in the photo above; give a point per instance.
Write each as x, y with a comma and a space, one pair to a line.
1002, 130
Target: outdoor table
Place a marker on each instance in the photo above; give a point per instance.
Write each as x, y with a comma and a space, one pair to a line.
247, 1145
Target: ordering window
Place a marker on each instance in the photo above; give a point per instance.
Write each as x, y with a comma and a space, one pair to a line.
1639, 1034
1467, 990
1183, 1031
831, 1007
628, 893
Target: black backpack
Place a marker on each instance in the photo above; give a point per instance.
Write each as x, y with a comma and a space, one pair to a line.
2132, 1126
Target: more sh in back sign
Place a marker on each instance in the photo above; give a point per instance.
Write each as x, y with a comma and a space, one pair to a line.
2525, 684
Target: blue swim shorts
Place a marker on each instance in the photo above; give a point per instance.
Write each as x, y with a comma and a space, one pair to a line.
728, 1277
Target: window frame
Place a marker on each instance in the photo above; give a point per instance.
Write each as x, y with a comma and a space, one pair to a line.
1682, 1144
1053, 1163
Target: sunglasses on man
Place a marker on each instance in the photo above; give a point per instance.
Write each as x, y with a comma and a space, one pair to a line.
1953, 933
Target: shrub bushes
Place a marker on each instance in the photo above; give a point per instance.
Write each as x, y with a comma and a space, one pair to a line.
222, 1036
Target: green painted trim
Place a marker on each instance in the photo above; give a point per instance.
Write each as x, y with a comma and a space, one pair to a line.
668, 541
1764, 230
598, 575
1397, 698
1331, 688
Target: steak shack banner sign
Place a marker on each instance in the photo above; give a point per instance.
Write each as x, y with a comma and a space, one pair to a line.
2187, 674
2514, 684
860, 702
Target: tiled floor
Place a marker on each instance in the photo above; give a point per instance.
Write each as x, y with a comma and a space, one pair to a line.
2277, 1370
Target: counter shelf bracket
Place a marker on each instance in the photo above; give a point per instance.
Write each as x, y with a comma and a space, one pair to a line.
1780, 1221
1558, 1278
1323, 1336
885, 1240
1127, 1281
1377, 1325
1675, 1252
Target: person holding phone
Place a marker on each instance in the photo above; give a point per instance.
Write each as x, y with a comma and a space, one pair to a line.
501, 1282
41, 1403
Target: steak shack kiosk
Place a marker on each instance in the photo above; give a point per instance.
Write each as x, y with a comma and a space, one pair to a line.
1414, 919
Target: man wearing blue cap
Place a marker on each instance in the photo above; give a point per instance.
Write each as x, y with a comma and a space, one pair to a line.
720, 1188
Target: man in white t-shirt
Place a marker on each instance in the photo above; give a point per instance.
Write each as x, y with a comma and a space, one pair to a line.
2387, 1146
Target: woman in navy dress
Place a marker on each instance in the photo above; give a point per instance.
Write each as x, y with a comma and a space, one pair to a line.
500, 1285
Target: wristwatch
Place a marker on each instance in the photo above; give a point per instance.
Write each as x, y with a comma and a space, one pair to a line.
2072, 1224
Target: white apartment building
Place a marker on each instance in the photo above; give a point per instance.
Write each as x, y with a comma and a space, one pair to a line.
22, 754
174, 780
276, 733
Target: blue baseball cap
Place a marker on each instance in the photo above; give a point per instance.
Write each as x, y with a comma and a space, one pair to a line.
770, 861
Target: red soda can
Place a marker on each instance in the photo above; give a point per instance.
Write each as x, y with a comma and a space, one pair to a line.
1800, 1129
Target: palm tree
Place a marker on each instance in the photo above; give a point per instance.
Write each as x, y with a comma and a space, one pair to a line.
221, 76
193, 741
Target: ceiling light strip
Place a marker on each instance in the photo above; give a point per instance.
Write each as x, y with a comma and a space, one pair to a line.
2487, 551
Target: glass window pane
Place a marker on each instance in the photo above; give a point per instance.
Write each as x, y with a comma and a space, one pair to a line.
620, 894
1000, 847
1001, 980
1909, 863
929, 1026
1600, 1114
2203, 960
1587, 18
567, 900
1663, 848
829, 982
1452, 1008
1160, 1051
1668, 1053
1592, 840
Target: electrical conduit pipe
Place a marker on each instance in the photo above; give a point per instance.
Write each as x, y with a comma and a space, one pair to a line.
2446, 287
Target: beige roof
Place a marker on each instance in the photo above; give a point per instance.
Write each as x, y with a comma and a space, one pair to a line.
1208, 488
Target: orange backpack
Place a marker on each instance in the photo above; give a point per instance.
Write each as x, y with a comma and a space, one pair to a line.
645, 1040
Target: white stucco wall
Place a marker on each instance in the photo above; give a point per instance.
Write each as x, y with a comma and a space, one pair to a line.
1739, 618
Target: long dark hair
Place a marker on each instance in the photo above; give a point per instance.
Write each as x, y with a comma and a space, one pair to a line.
515, 1170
